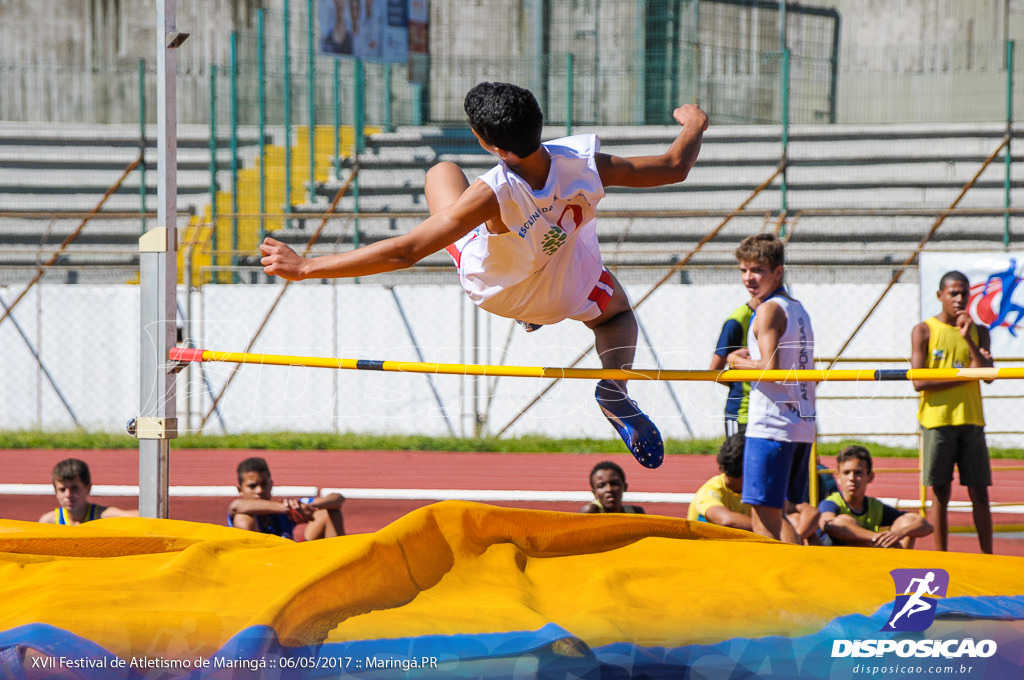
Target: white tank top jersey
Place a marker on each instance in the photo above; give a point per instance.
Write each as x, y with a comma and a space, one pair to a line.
542, 269
785, 411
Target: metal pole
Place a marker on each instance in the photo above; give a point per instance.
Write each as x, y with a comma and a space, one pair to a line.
311, 97
142, 144
336, 90
215, 240
234, 156
157, 422
478, 420
388, 126
261, 67
782, 25
1009, 140
784, 48
188, 261
568, 94
358, 104
597, 62
287, 115
417, 104
784, 203
358, 84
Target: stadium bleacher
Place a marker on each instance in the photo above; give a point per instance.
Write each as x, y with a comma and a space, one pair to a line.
857, 196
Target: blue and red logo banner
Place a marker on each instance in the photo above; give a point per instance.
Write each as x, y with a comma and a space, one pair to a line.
996, 293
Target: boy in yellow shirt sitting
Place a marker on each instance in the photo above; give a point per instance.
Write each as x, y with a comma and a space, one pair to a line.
717, 501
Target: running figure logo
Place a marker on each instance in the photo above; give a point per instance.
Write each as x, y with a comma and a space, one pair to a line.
916, 593
997, 302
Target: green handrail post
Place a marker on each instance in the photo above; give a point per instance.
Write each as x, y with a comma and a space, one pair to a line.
417, 103
311, 94
358, 105
142, 144
1009, 139
261, 67
213, 164
358, 83
234, 156
785, 136
336, 91
568, 93
287, 116
388, 127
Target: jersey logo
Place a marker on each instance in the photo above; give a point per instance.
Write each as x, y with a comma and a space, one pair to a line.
553, 240
574, 213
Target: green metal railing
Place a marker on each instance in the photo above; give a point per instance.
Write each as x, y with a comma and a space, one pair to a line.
786, 86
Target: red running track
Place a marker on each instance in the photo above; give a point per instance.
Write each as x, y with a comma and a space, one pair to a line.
434, 470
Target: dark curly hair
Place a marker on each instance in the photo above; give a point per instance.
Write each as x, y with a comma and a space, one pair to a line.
506, 116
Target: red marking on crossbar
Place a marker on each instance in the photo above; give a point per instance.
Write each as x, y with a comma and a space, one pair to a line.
185, 354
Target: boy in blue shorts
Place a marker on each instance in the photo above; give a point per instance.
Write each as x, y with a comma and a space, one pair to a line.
781, 415
851, 517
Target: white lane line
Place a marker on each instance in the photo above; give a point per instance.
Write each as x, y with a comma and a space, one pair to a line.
362, 493
481, 495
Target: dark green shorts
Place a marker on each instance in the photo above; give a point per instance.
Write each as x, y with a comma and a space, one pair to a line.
960, 445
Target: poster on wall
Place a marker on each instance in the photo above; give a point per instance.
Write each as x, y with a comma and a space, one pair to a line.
419, 43
375, 30
996, 298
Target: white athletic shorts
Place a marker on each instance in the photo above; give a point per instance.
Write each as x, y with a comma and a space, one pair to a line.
574, 285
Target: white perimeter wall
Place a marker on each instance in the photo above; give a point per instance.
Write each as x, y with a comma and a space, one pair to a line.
87, 338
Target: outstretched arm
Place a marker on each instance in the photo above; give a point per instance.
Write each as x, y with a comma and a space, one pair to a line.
723, 516
476, 205
668, 168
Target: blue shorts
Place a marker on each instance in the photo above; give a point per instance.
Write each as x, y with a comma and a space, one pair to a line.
774, 471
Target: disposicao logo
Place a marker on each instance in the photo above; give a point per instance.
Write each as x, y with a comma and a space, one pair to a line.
917, 591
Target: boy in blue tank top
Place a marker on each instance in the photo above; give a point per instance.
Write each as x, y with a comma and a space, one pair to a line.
781, 415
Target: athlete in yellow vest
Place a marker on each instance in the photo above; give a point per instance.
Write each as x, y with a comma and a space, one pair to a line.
72, 483
950, 413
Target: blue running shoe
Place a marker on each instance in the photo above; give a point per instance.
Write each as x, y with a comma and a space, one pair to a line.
641, 435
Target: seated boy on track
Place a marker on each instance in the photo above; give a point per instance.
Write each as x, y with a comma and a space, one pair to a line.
718, 500
72, 483
256, 510
524, 236
852, 518
608, 483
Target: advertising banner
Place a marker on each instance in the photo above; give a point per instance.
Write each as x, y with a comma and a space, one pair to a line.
374, 30
996, 298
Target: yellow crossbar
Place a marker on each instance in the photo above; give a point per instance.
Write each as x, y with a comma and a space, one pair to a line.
836, 375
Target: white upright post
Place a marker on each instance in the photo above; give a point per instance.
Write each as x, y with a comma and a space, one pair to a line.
157, 422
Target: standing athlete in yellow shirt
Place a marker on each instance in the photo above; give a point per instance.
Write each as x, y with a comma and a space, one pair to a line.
950, 413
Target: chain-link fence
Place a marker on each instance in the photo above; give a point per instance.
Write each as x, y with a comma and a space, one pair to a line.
277, 138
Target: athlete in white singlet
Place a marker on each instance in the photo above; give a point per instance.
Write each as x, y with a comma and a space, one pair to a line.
523, 235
